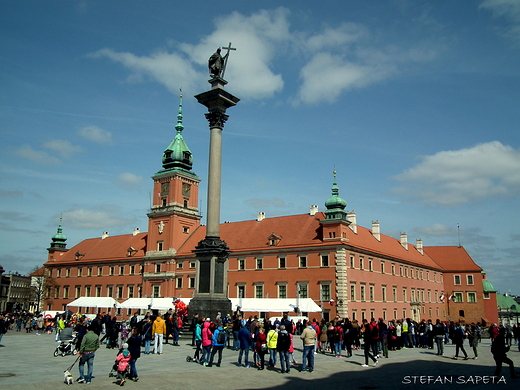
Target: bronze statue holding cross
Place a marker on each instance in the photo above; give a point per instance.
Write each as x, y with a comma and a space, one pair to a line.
217, 63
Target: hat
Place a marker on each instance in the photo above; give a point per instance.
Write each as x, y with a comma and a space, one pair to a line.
125, 346
208, 319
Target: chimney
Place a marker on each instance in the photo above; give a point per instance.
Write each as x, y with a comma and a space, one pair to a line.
404, 240
351, 217
313, 210
135, 232
376, 230
104, 235
419, 246
260, 217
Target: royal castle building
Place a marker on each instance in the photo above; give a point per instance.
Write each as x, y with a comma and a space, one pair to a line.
348, 270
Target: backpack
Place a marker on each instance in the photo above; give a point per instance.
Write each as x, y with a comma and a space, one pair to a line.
221, 337
284, 341
374, 331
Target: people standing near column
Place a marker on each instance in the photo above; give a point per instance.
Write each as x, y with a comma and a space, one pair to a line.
158, 331
272, 339
89, 345
244, 341
261, 347
207, 336
194, 321
197, 333
218, 342
458, 339
237, 325
309, 339
283, 343
439, 334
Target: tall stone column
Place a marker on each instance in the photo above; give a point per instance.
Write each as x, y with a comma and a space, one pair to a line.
212, 253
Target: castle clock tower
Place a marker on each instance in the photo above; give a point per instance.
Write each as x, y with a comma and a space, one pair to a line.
174, 214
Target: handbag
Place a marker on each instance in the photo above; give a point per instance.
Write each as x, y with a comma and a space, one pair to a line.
263, 347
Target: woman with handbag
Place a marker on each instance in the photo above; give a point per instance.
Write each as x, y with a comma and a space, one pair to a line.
261, 347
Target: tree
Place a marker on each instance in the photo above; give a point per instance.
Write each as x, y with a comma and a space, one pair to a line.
41, 283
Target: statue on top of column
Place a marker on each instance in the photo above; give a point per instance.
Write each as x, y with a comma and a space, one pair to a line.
217, 63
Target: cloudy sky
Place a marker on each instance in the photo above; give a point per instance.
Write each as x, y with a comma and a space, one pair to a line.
414, 103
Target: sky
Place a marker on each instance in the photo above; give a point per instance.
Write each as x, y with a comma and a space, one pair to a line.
415, 104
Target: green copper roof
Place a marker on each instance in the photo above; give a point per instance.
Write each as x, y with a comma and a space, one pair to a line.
178, 155
59, 239
335, 204
506, 302
487, 286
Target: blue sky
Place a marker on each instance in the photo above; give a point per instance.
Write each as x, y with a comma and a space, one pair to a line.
414, 103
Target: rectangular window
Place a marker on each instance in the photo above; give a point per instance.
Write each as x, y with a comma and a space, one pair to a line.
157, 268
160, 245
112, 270
486, 295
362, 293
241, 291
179, 283
87, 291
78, 292
352, 261
429, 295
383, 294
193, 264
324, 260
132, 269
325, 292
281, 262
469, 279
121, 270
457, 297
98, 291
472, 297
259, 263
370, 263
259, 291
80, 271
119, 292
393, 270
241, 264
401, 270
179, 265
282, 291
371, 292
130, 291
58, 273
361, 263
352, 292
456, 279
100, 271
57, 292
302, 290
191, 281
67, 273
110, 291
394, 295
404, 294
156, 291
303, 261
382, 267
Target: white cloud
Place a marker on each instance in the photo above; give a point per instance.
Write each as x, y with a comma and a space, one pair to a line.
95, 134
63, 147
461, 176
102, 218
40, 157
437, 229
508, 9
128, 180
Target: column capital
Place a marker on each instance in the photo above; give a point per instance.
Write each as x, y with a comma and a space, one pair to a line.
216, 119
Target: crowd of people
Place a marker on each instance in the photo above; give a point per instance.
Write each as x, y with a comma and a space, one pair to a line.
269, 342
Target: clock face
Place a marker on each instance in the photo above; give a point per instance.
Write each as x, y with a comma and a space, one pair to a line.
186, 189
165, 188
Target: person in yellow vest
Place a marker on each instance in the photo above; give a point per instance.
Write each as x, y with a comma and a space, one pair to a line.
158, 330
272, 341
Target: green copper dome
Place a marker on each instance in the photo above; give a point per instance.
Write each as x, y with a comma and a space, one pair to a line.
335, 204
487, 286
178, 155
59, 240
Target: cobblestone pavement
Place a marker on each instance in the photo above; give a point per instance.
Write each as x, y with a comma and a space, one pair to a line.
27, 362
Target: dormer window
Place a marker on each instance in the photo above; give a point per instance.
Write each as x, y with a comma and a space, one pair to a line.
273, 239
131, 251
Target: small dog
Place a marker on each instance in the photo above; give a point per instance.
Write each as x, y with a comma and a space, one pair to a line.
68, 378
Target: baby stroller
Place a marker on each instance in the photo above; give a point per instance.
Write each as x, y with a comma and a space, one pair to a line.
115, 372
67, 344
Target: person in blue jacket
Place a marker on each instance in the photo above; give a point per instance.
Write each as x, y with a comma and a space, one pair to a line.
218, 342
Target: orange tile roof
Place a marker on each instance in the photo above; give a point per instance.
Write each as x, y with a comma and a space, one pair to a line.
110, 248
300, 231
452, 258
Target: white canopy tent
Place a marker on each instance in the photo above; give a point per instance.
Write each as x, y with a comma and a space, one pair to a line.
148, 303
103, 302
275, 305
